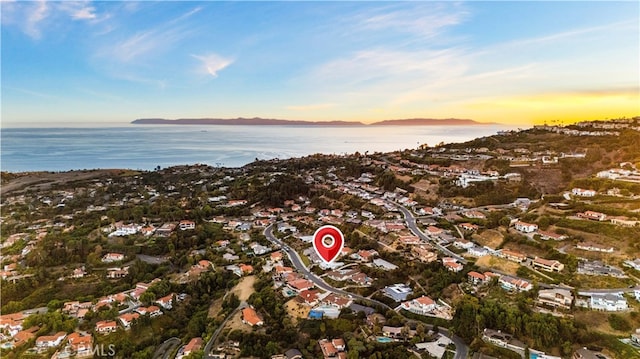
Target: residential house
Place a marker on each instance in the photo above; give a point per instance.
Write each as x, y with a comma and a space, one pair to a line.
476, 278
194, 344
81, 344
365, 254
452, 264
594, 247
166, 229
398, 292
106, 326
599, 268
513, 255
300, 285
463, 243
115, 273
610, 302
409, 240
112, 257
78, 273
127, 319
477, 251
333, 349
548, 235
548, 265
556, 297
250, 317
469, 227
525, 227
422, 305
434, 231
50, 341
361, 279
592, 215
514, 284
635, 264
583, 192
166, 302
503, 340
381, 263
309, 297
623, 221
187, 225
474, 214
336, 300
424, 253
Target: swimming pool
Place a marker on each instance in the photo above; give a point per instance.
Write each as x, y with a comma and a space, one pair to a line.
384, 340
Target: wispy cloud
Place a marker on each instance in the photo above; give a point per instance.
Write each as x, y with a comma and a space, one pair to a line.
149, 42
422, 20
212, 63
38, 12
78, 10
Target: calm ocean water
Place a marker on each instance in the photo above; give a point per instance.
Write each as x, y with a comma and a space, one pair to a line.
145, 147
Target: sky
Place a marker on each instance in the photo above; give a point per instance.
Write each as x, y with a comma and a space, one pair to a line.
93, 63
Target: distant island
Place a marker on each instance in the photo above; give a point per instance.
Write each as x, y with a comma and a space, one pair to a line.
257, 121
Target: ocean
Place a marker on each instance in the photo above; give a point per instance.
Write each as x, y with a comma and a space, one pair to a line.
145, 147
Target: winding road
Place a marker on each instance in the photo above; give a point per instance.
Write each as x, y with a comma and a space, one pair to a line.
212, 340
410, 219
462, 349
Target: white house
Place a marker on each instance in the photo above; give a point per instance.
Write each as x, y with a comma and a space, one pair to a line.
422, 305
106, 326
50, 341
112, 257
526, 227
583, 192
186, 225
635, 264
514, 284
609, 302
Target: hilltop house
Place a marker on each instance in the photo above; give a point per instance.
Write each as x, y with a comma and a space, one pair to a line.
250, 317
525, 227
556, 297
548, 265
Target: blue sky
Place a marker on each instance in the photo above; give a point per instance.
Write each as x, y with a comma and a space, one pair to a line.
510, 62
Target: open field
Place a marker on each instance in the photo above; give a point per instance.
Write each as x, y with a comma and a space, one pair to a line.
37, 181
490, 238
244, 289
498, 264
296, 310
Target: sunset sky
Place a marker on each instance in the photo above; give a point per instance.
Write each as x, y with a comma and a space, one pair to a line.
508, 62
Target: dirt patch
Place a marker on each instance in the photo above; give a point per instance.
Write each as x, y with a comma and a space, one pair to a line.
296, 310
244, 289
489, 238
498, 264
426, 189
236, 323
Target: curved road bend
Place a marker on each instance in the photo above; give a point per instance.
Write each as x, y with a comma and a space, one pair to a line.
462, 349
410, 219
212, 340
166, 348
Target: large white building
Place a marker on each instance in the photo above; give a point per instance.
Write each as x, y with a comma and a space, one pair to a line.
609, 302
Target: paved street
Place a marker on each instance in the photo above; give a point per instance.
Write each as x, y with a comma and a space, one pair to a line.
461, 348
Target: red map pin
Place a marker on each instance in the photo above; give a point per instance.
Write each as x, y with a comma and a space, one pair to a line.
328, 242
